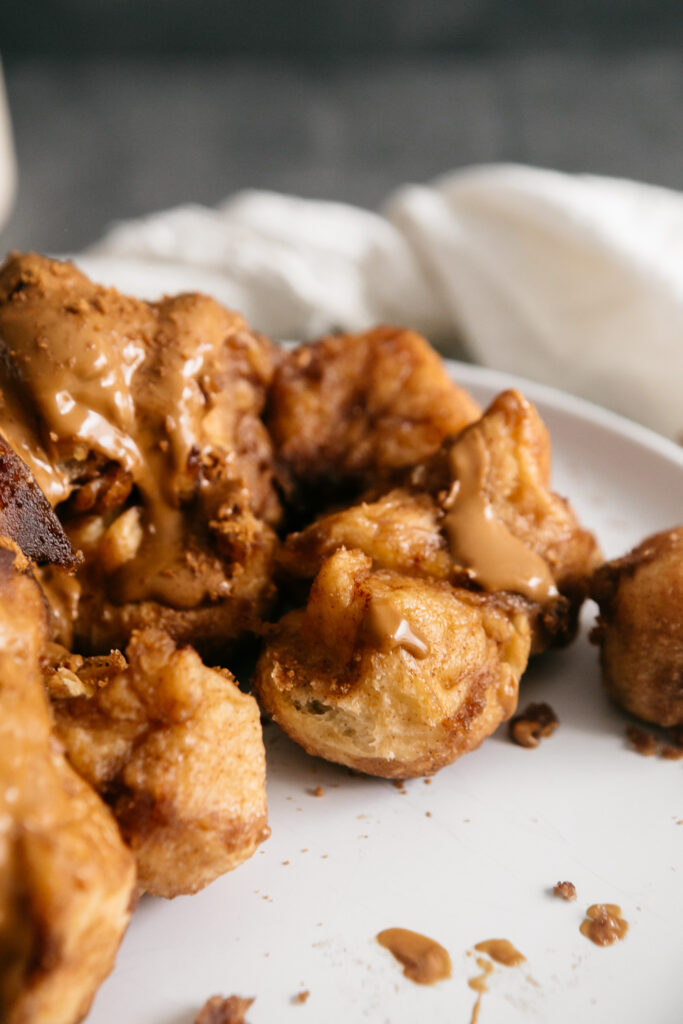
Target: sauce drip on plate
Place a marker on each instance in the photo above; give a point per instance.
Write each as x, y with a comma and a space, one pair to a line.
604, 924
424, 960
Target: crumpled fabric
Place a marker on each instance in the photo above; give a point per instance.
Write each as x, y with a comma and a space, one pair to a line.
572, 280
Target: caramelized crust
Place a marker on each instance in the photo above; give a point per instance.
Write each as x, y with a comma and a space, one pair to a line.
390, 674
176, 750
351, 409
141, 422
66, 879
640, 628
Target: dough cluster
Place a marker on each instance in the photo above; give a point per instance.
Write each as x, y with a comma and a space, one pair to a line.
173, 486
425, 596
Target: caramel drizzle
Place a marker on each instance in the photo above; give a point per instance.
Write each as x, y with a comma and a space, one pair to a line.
386, 625
98, 395
83, 393
478, 539
503, 952
478, 984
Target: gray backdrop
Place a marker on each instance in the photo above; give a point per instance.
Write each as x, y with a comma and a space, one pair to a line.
124, 106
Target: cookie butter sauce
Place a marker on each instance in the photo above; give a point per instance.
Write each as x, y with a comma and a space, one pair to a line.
91, 401
604, 924
90, 379
478, 983
502, 951
423, 959
73, 388
386, 625
477, 538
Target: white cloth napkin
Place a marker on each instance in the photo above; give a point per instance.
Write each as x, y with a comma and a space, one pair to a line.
8, 166
575, 281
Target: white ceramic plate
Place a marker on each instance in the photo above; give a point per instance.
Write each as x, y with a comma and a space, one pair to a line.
506, 824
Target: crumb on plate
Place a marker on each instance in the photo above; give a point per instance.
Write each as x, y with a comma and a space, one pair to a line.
219, 1010
642, 741
565, 891
536, 722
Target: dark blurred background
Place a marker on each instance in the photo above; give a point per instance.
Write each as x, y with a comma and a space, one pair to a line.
121, 107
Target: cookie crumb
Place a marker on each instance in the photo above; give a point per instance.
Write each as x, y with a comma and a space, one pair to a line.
300, 998
565, 891
218, 1010
318, 791
643, 742
536, 722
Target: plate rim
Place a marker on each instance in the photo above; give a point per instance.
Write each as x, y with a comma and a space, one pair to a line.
469, 374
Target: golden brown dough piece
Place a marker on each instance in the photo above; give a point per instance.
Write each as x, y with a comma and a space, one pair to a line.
499, 470
141, 423
482, 514
176, 750
640, 628
351, 409
390, 674
400, 530
66, 878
